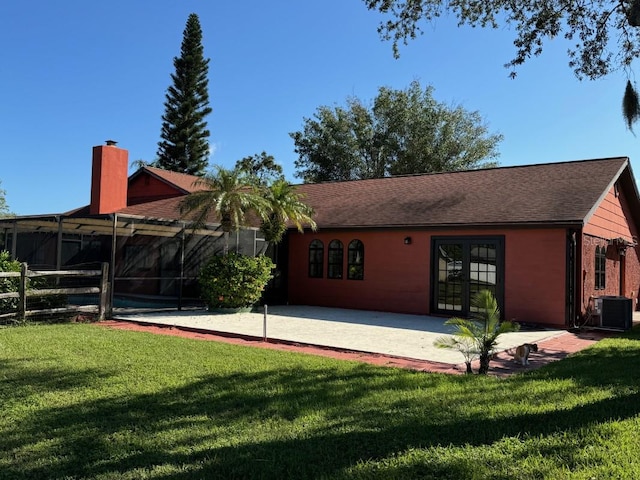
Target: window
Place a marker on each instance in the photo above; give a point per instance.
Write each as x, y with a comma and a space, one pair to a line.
356, 260
334, 261
601, 265
316, 258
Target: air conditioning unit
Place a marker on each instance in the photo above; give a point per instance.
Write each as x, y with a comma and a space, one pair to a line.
615, 312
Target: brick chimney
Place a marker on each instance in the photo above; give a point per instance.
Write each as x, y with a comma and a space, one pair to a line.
108, 178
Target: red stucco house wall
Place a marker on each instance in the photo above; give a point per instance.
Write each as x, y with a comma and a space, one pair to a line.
397, 277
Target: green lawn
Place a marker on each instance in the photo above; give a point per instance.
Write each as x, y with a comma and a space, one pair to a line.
82, 401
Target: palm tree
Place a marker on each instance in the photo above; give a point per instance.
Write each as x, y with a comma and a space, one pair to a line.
478, 336
465, 345
229, 196
285, 205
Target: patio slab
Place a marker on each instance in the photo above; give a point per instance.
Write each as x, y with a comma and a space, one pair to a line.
391, 334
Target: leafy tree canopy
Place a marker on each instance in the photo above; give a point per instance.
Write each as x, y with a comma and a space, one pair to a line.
184, 146
4, 208
404, 132
603, 35
261, 168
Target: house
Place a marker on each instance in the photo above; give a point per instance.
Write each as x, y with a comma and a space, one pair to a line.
549, 240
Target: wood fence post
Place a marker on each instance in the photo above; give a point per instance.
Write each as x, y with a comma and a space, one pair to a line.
22, 291
104, 309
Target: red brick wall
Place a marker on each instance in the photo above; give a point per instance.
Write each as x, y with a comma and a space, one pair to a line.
397, 276
611, 220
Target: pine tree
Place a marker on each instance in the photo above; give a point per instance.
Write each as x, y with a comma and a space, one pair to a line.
185, 147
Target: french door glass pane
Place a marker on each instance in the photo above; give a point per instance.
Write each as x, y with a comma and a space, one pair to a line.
450, 277
482, 268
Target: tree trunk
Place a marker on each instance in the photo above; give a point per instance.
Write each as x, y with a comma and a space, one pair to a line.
485, 358
227, 227
469, 371
225, 248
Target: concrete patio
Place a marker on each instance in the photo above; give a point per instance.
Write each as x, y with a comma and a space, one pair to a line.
392, 334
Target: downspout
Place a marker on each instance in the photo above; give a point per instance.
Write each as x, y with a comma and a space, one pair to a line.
571, 318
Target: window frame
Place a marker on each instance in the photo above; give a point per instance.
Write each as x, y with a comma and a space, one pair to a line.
355, 246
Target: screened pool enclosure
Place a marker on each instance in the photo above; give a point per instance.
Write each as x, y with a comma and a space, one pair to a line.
153, 262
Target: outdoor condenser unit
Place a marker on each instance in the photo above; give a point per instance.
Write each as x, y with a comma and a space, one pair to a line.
616, 312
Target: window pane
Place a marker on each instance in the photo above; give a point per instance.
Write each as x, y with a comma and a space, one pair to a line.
336, 254
482, 268
600, 267
356, 260
450, 277
316, 258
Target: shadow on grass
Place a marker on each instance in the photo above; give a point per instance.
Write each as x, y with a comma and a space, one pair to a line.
128, 435
21, 378
303, 422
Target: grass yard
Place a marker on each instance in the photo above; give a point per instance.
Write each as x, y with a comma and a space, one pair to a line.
82, 401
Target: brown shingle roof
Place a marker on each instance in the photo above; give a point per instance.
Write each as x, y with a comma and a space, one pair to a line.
167, 209
553, 193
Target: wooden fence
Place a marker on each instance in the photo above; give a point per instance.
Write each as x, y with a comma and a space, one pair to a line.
103, 309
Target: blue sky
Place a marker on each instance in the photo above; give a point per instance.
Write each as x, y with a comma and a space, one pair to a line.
78, 72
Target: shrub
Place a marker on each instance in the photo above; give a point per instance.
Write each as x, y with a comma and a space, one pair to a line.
9, 305
234, 280
8, 285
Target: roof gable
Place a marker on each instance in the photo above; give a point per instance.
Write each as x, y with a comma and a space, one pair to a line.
180, 181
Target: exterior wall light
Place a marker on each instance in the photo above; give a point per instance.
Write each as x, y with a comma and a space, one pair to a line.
407, 240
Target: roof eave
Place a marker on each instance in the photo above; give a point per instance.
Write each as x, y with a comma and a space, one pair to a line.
538, 224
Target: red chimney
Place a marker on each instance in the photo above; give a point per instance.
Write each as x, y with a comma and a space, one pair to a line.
108, 178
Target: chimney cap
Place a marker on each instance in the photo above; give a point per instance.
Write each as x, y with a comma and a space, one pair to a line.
111, 143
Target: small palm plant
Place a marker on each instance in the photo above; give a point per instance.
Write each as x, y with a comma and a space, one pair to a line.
464, 344
477, 337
